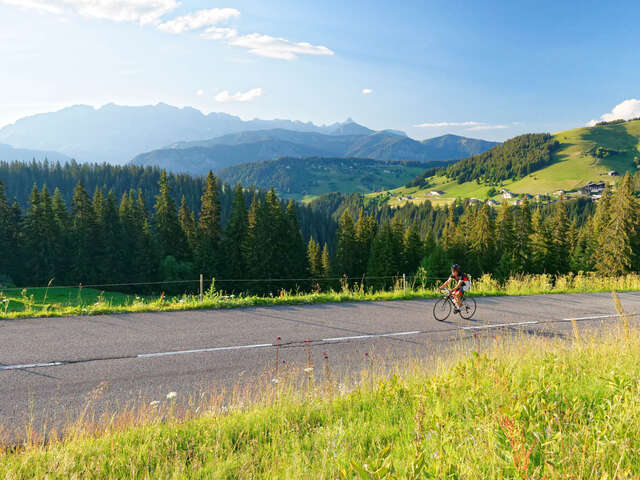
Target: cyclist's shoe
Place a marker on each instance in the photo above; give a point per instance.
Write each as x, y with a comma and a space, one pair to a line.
456, 310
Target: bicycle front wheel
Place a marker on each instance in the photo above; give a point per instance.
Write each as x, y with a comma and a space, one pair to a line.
442, 309
468, 308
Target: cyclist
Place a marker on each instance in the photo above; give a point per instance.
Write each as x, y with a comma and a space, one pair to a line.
461, 285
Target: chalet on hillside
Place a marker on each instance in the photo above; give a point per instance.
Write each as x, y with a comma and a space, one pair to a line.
593, 188
613, 173
506, 193
559, 192
435, 193
492, 202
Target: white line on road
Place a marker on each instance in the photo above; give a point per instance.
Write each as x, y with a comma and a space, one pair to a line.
498, 325
30, 365
376, 335
202, 350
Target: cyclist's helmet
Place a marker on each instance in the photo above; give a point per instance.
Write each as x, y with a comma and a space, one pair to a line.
455, 267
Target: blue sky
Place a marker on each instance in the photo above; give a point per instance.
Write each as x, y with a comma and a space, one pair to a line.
482, 69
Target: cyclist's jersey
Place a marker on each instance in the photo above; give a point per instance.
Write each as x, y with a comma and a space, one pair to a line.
466, 283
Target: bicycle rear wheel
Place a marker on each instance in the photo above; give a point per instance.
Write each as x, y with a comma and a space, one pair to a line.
468, 307
442, 309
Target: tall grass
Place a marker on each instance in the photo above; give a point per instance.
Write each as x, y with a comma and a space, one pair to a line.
521, 408
69, 301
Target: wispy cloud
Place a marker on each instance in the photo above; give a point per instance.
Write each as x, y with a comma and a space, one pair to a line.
367, 91
198, 20
623, 111
200, 92
488, 127
448, 124
225, 96
137, 11
265, 45
152, 12
470, 125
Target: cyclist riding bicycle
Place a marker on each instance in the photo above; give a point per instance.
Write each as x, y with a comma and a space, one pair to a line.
461, 282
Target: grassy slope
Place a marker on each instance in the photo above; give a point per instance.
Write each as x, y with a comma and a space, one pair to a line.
533, 408
573, 168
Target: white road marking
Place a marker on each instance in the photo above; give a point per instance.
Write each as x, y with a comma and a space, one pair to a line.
202, 350
376, 335
599, 316
497, 325
30, 365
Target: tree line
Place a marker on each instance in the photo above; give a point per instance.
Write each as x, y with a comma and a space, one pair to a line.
99, 238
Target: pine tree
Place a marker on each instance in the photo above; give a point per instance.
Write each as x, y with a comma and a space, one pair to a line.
170, 238
326, 261
540, 243
365, 228
62, 247
522, 237
8, 240
559, 252
413, 250
209, 230
296, 253
84, 236
235, 235
314, 257
506, 241
482, 242
615, 255
188, 225
346, 255
382, 259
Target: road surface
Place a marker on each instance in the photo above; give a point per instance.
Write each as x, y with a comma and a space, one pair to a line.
50, 368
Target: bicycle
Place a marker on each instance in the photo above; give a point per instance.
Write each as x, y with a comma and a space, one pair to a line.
442, 308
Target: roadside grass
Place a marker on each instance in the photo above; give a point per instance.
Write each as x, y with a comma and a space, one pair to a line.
73, 301
527, 407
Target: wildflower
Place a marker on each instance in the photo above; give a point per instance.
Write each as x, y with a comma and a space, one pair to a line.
171, 395
154, 403
308, 369
275, 380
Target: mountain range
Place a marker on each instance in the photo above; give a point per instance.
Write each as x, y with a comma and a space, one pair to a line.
198, 157
10, 154
116, 133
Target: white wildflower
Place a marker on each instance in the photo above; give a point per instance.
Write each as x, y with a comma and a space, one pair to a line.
154, 403
275, 380
171, 395
308, 369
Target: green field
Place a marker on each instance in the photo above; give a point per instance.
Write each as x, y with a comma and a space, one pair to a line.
574, 166
18, 301
522, 407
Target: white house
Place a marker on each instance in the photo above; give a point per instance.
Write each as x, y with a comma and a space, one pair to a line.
435, 193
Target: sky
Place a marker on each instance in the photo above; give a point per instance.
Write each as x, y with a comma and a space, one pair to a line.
491, 69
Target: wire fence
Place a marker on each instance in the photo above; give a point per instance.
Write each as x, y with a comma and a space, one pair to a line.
299, 278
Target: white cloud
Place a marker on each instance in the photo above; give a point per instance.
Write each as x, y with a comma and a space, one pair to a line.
200, 92
198, 20
366, 91
265, 45
623, 111
488, 127
138, 11
247, 96
448, 124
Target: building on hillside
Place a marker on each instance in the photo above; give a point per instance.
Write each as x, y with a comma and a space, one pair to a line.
613, 173
492, 203
593, 188
559, 193
435, 193
507, 194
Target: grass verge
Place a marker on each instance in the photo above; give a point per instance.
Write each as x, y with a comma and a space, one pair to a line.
71, 301
522, 407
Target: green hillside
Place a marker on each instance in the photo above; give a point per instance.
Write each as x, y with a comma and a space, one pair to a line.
582, 155
301, 178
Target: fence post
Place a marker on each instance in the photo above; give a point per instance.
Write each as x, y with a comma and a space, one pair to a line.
201, 288
404, 283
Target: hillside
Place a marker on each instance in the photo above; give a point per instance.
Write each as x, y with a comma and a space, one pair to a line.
447, 147
246, 147
306, 177
116, 133
582, 155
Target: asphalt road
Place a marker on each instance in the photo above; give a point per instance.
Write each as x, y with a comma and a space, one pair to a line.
51, 368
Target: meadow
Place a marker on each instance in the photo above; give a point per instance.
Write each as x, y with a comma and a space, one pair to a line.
55, 302
520, 406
